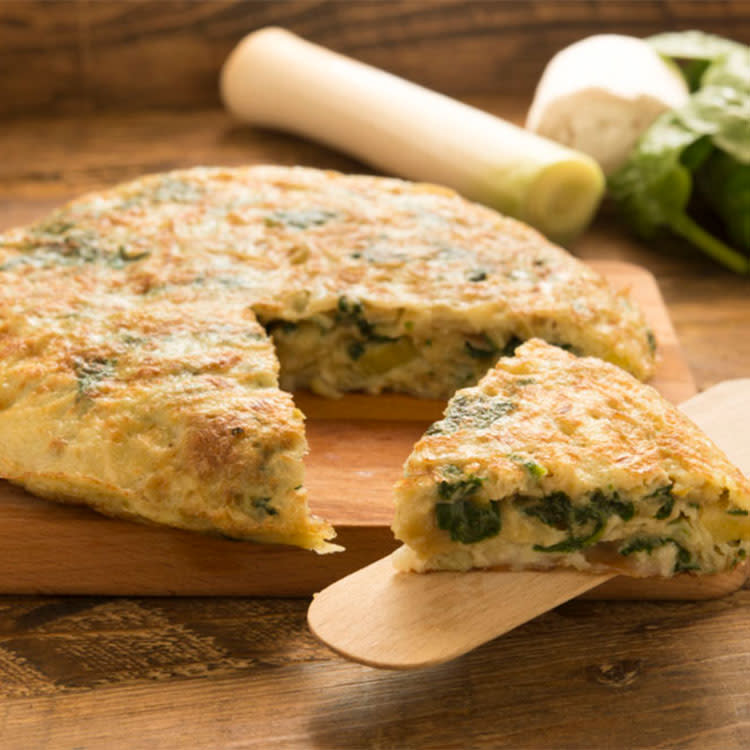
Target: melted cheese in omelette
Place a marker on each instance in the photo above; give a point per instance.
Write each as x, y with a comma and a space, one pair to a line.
558, 460
141, 330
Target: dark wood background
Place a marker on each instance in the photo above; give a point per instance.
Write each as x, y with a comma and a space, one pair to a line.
81, 56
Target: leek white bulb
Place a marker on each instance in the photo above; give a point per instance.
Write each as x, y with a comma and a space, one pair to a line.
274, 79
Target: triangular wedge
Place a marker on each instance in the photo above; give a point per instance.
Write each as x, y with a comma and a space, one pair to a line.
161, 409
142, 328
557, 460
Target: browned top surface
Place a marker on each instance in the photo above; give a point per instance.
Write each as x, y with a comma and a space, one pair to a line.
163, 673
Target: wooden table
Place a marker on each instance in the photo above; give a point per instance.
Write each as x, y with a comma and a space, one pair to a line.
91, 672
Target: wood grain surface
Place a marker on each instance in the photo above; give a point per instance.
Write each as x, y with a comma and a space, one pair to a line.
160, 673
73, 56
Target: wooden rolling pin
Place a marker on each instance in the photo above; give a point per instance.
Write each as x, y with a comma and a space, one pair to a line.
275, 79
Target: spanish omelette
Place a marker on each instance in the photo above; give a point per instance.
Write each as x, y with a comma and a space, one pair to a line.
146, 331
559, 460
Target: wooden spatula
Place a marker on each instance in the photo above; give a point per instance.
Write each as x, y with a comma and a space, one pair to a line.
383, 618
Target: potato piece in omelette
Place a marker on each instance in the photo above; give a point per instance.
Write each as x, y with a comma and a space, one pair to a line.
146, 331
557, 460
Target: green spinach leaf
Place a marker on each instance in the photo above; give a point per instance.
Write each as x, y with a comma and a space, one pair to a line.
468, 521
459, 512
697, 155
584, 523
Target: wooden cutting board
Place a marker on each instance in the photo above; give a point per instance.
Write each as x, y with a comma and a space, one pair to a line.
357, 447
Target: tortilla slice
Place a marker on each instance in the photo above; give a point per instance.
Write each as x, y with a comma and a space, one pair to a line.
554, 460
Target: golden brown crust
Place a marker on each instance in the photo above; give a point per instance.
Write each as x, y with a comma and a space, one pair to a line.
136, 376
564, 443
